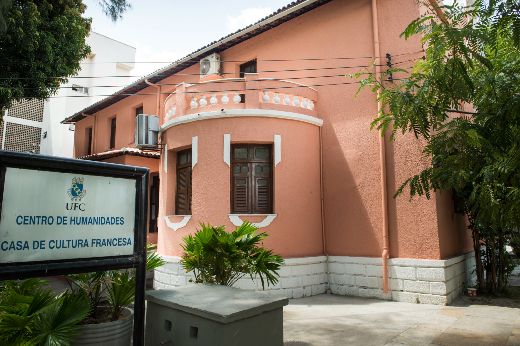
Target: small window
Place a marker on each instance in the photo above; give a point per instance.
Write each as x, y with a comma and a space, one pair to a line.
248, 67
113, 133
89, 141
80, 89
183, 191
251, 179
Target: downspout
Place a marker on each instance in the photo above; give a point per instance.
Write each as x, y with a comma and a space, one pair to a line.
382, 155
158, 96
94, 134
322, 210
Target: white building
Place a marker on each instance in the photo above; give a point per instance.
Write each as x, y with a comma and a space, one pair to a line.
34, 125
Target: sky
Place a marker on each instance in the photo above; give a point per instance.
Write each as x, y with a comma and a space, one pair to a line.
163, 31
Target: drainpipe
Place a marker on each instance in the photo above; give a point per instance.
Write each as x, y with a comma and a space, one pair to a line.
158, 96
384, 203
322, 211
94, 133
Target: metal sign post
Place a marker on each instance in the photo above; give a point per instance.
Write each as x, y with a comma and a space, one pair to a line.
64, 216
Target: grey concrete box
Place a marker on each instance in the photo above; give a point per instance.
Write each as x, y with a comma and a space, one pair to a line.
206, 314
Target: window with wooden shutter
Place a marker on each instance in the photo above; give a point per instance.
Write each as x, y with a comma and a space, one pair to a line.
183, 192
251, 179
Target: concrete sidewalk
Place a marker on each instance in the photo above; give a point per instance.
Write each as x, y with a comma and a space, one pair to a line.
330, 320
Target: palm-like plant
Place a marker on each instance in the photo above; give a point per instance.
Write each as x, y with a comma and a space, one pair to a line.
216, 256
118, 285
30, 315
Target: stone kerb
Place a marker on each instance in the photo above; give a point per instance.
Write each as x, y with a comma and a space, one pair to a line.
299, 277
410, 280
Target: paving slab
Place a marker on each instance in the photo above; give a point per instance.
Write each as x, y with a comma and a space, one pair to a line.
458, 337
330, 320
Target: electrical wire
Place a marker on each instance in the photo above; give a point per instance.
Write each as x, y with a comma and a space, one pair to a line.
217, 81
215, 91
235, 61
198, 74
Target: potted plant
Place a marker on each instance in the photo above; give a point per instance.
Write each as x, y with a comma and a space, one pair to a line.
30, 315
216, 256
109, 321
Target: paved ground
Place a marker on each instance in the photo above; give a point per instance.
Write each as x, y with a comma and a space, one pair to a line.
329, 320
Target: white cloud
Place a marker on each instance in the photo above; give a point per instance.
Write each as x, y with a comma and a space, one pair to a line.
246, 17
148, 61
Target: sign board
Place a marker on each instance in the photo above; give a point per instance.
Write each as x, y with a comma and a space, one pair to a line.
64, 216
54, 216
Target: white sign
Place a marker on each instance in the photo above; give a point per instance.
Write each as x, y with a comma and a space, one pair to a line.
53, 216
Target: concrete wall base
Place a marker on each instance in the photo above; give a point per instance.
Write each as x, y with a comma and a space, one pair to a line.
410, 280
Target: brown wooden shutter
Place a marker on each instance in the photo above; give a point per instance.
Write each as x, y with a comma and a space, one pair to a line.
262, 188
183, 205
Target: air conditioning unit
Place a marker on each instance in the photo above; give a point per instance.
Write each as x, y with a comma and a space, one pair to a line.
210, 65
146, 131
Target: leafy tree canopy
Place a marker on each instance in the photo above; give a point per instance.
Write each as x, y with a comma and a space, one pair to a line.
464, 100
42, 43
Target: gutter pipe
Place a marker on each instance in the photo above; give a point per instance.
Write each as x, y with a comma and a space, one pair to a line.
322, 209
382, 155
158, 108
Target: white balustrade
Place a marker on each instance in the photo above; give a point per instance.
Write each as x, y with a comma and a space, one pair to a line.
171, 113
265, 98
213, 99
304, 103
193, 103
286, 100
276, 98
236, 98
216, 98
224, 99
203, 101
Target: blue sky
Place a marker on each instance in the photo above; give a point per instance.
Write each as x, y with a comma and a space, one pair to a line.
164, 31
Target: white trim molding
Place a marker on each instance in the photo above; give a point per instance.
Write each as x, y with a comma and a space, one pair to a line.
177, 225
165, 161
233, 113
277, 149
21, 121
194, 151
227, 149
235, 219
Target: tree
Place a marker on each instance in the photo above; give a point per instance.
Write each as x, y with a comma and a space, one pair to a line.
464, 100
43, 44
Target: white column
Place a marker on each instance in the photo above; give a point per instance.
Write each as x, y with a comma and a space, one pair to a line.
277, 149
194, 150
227, 149
165, 161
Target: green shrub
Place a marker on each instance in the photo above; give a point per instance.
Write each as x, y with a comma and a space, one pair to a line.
30, 315
216, 256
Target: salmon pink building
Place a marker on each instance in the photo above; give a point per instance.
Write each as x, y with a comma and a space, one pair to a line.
263, 126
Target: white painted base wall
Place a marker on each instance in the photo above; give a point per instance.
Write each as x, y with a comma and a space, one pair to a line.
410, 280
